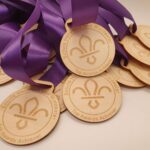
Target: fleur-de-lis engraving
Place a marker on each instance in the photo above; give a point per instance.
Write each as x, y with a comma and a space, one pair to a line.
88, 49
141, 52
93, 95
27, 112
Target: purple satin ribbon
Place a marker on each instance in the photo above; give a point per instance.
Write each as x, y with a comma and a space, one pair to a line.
53, 25
109, 13
115, 15
8, 31
6, 13
33, 57
119, 26
81, 11
12, 59
26, 54
118, 9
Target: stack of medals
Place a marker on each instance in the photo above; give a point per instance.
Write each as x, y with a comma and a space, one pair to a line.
136, 73
90, 92
138, 47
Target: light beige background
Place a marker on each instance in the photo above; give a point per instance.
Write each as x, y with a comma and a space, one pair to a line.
129, 130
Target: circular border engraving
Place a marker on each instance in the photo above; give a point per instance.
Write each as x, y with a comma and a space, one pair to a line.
31, 119
92, 56
93, 106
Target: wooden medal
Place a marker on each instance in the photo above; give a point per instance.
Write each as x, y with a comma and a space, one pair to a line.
124, 77
136, 49
141, 71
87, 50
93, 99
28, 115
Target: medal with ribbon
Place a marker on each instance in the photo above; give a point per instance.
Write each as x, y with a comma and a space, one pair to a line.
70, 55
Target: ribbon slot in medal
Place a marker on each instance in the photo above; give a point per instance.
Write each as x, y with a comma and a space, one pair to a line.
28, 115
87, 50
94, 99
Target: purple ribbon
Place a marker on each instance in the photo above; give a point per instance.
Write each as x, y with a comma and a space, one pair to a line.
12, 60
8, 31
53, 24
31, 55
118, 9
115, 13
119, 26
108, 14
81, 11
26, 54
6, 13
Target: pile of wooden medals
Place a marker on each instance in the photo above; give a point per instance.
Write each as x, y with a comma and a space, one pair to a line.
91, 92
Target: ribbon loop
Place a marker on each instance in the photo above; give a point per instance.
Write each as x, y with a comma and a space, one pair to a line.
118, 9
81, 11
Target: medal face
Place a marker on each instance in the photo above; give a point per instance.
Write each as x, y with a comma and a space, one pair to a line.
87, 50
124, 77
136, 49
141, 71
143, 33
28, 115
92, 99
59, 93
3, 77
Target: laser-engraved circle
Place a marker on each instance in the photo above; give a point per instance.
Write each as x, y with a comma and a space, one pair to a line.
143, 33
87, 50
124, 77
28, 115
141, 71
59, 93
92, 99
136, 49
4, 78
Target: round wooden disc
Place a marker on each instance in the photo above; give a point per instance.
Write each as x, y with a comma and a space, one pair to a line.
92, 99
143, 33
28, 115
124, 77
59, 93
4, 78
87, 50
141, 71
136, 49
